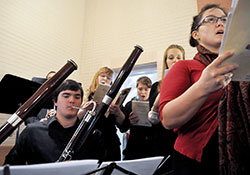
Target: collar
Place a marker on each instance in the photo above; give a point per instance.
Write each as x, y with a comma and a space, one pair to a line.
204, 56
54, 120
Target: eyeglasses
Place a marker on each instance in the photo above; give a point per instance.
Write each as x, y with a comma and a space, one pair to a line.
212, 19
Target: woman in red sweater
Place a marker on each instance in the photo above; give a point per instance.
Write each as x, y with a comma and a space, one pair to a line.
190, 95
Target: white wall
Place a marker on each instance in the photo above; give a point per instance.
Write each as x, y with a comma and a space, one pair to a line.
113, 27
37, 36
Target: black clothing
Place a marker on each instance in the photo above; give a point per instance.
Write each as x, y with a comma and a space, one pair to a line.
111, 139
42, 114
163, 139
186, 166
140, 141
107, 125
147, 141
43, 142
91, 95
153, 94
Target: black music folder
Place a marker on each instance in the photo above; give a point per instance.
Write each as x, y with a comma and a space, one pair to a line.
15, 91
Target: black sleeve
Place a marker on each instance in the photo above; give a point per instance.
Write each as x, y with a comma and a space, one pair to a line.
42, 113
19, 153
153, 94
126, 110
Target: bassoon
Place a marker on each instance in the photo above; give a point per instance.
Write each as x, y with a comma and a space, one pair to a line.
89, 120
39, 97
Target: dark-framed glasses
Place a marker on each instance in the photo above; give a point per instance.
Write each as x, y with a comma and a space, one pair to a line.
212, 19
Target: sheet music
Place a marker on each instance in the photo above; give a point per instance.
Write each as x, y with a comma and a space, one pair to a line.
100, 93
122, 96
119, 98
74, 167
145, 166
237, 38
141, 109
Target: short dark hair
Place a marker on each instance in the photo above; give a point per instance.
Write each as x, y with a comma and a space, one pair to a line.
145, 81
68, 85
196, 21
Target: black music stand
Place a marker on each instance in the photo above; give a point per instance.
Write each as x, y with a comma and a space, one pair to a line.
107, 170
14, 91
165, 167
39, 80
132, 167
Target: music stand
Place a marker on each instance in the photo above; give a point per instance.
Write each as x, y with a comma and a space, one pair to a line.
39, 80
107, 170
145, 166
14, 91
165, 167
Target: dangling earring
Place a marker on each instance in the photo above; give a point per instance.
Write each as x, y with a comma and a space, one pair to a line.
54, 108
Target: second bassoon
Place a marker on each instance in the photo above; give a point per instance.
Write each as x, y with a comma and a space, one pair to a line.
91, 118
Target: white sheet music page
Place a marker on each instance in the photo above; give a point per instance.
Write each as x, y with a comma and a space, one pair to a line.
237, 38
141, 109
101, 91
73, 167
145, 166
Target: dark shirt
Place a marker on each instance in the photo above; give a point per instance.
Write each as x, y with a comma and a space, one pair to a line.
140, 140
107, 126
153, 94
43, 142
147, 141
42, 114
163, 139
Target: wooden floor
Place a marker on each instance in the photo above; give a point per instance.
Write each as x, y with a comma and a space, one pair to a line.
4, 150
6, 146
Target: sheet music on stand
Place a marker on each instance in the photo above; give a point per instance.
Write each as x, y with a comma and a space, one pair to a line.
74, 167
145, 166
237, 38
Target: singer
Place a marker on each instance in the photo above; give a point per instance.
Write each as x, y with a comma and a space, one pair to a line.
43, 142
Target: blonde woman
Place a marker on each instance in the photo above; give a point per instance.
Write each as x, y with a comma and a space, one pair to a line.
172, 54
102, 76
107, 125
